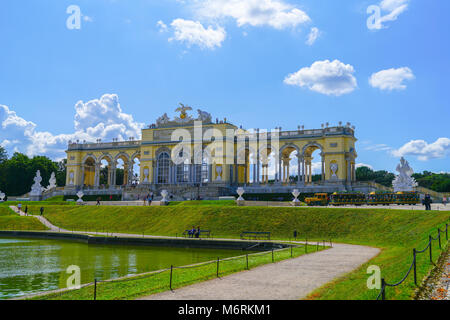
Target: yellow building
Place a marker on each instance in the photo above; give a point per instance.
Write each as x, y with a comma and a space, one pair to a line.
202, 152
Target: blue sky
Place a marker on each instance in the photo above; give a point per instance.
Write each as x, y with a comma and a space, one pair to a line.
248, 61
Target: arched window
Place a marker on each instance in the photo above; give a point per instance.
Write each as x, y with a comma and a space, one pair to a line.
163, 168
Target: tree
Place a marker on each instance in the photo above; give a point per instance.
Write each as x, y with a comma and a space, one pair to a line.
382, 177
17, 173
3, 155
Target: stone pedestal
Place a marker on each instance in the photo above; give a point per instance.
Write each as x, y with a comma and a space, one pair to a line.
240, 203
35, 197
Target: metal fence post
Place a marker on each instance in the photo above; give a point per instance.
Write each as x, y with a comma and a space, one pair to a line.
95, 289
247, 261
415, 266
383, 289
446, 231
431, 251
217, 273
439, 238
272, 257
291, 251
171, 272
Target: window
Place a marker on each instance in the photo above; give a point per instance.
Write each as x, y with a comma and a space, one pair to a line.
163, 168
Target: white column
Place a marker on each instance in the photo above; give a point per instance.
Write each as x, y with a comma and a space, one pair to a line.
97, 175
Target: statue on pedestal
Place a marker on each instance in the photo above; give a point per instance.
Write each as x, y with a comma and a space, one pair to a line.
52, 182
36, 188
404, 181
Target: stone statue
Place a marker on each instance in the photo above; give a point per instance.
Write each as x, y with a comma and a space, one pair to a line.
204, 116
184, 117
404, 181
36, 188
71, 178
183, 110
164, 119
52, 182
80, 195
2, 196
334, 168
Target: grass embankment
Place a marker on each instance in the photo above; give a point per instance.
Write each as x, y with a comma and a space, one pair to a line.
396, 232
11, 221
159, 282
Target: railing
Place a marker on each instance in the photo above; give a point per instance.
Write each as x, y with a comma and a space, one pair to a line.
218, 267
413, 266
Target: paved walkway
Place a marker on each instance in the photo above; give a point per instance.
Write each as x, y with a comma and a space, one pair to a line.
291, 279
40, 218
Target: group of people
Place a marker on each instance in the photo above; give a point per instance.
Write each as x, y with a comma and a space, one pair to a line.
148, 199
194, 233
19, 207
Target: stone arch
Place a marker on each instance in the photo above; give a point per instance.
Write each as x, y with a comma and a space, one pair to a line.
89, 170
86, 157
310, 145
122, 155
286, 162
307, 152
107, 157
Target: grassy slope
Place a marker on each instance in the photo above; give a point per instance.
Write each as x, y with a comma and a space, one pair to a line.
395, 231
10, 221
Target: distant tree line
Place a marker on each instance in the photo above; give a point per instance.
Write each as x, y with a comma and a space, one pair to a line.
439, 182
17, 172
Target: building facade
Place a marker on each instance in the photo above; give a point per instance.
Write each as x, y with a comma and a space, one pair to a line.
202, 152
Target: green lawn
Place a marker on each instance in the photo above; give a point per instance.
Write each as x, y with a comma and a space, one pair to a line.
11, 221
396, 232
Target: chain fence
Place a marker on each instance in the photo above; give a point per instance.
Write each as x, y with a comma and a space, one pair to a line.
177, 276
413, 267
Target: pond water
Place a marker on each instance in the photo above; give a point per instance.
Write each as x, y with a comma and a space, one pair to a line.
33, 265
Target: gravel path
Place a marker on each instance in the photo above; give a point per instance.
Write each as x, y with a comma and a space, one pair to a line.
442, 290
291, 279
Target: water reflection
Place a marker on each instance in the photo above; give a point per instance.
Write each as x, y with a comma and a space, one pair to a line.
30, 266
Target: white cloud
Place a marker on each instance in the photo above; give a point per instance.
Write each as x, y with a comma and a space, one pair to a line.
312, 36
87, 18
391, 79
273, 13
326, 77
96, 119
359, 165
194, 33
162, 26
378, 147
423, 150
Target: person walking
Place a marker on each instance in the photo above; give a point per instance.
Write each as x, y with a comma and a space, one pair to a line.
26, 210
98, 201
150, 199
19, 207
444, 201
42, 210
427, 202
